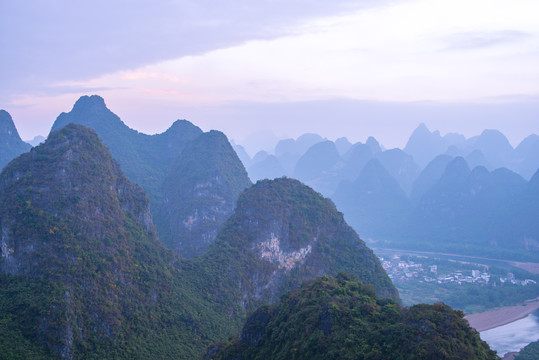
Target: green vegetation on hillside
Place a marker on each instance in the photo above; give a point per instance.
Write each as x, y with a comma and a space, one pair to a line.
83, 274
11, 144
530, 352
282, 233
340, 318
200, 193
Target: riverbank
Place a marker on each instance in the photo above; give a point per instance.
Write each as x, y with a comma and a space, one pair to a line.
498, 317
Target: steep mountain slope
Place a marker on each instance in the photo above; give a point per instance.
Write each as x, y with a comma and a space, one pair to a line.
401, 166
298, 146
11, 144
281, 234
82, 274
429, 177
494, 146
145, 159
343, 145
339, 318
160, 165
472, 212
319, 167
374, 204
527, 156
268, 168
424, 145
525, 220
200, 193
355, 159
320, 158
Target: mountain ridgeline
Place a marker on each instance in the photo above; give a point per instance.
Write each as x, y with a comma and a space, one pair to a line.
200, 193
81, 264
83, 275
11, 144
191, 193
281, 234
340, 318
440, 193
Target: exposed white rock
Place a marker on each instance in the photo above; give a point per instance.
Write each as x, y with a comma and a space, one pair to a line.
271, 251
6, 251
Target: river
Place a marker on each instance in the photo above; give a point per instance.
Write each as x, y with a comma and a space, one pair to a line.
513, 336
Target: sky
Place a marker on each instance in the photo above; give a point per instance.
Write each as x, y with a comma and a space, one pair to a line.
276, 68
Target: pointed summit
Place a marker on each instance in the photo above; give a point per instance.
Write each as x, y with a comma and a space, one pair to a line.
92, 112
319, 158
78, 234
145, 159
282, 233
200, 193
11, 144
495, 147
457, 170
373, 144
424, 145
370, 200
93, 103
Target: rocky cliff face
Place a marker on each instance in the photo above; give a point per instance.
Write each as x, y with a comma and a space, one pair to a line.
11, 144
200, 193
283, 233
80, 259
192, 178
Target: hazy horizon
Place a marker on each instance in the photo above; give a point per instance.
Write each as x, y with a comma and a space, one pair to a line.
345, 68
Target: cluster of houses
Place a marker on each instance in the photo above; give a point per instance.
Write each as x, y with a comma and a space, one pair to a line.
407, 270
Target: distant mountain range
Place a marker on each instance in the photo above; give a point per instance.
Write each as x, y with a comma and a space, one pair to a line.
469, 196
410, 198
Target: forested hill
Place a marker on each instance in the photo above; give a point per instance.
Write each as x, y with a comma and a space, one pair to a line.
145, 159
281, 234
192, 178
340, 318
83, 275
11, 144
200, 193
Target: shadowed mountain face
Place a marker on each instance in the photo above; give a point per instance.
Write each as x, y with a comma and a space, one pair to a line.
81, 265
83, 275
11, 144
268, 168
424, 145
374, 203
200, 192
145, 159
429, 176
494, 146
527, 155
298, 146
473, 211
401, 166
281, 234
160, 165
342, 319
320, 158
319, 167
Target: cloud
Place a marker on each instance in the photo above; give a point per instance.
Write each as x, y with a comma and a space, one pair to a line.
45, 42
484, 39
